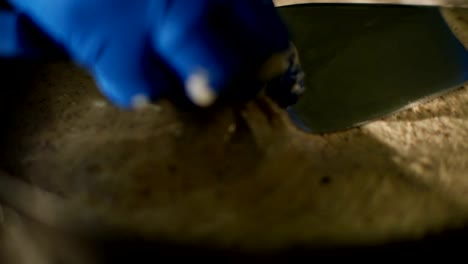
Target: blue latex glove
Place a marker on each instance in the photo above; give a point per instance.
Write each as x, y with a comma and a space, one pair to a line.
137, 50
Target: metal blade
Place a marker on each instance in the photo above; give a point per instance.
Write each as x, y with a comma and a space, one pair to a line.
364, 62
446, 3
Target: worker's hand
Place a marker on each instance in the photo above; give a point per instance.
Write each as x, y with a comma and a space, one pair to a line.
137, 50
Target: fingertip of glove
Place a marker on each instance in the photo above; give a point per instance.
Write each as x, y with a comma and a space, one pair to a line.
132, 102
199, 90
140, 101
127, 97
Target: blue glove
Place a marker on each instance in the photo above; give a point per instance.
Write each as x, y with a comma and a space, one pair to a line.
138, 51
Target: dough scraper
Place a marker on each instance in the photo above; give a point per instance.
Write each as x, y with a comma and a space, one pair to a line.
364, 61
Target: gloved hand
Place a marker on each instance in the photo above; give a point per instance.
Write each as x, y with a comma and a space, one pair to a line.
138, 50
